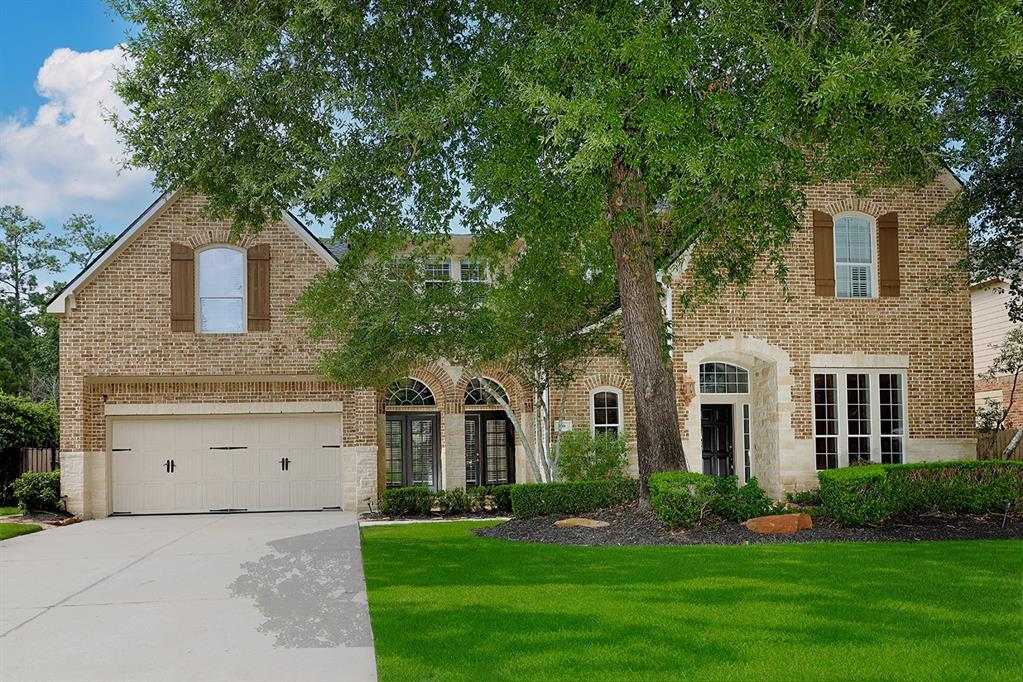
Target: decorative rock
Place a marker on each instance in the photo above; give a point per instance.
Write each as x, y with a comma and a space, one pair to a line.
585, 523
780, 523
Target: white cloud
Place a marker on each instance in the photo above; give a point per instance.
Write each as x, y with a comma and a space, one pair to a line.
67, 158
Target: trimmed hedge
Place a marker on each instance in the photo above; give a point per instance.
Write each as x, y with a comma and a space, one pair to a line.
541, 499
24, 423
872, 495
411, 501
38, 491
501, 496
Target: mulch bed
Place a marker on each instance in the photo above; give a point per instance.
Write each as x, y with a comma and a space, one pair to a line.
45, 518
631, 525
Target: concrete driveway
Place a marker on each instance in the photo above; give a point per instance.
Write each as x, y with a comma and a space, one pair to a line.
276, 597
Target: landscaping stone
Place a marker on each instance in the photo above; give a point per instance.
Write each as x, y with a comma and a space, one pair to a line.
581, 522
780, 523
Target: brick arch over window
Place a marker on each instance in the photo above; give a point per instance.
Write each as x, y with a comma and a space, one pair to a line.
621, 381
438, 381
219, 235
517, 396
855, 205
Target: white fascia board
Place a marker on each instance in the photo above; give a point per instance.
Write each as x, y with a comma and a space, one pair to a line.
309, 238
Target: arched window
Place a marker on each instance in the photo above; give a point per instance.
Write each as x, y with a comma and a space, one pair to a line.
221, 300
606, 411
409, 391
480, 392
723, 377
854, 257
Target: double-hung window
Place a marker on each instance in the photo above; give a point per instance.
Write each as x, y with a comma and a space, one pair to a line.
221, 300
606, 411
437, 273
859, 416
854, 258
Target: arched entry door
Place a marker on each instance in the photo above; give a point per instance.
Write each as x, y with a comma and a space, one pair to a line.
411, 436
489, 435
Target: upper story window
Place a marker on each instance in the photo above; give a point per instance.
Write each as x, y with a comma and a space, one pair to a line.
854, 257
221, 300
723, 377
606, 406
409, 392
470, 271
437, 273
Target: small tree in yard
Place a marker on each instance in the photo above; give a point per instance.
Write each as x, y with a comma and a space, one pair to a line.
635, 127
994, 415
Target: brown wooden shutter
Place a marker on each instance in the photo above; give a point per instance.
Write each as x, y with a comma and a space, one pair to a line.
259, 288
824, 254
888, 253
182, 288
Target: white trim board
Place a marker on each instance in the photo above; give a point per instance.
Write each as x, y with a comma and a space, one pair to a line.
159, 409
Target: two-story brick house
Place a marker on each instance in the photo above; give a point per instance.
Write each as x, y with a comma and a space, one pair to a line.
188, 383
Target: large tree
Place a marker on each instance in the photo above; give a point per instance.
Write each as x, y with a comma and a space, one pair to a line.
655, 125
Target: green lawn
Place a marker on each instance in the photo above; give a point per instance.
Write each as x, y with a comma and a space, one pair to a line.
447, 605
13, 530
9, 511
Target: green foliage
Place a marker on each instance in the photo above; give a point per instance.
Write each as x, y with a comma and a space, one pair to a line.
739, 503
584, 457
872, 495
477, 497
681, 498
410, 501
542, 499
38, 491
502, 497
27, 424
804, 497
453, 502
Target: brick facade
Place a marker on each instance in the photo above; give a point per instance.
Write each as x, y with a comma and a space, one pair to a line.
117, 348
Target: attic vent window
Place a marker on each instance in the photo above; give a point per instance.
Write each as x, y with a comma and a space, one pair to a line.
409, 392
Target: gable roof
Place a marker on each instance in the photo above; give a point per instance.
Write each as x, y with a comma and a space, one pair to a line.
58, 304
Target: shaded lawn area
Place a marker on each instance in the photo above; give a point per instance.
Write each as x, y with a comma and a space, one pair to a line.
9, 511
447, 605
13, 530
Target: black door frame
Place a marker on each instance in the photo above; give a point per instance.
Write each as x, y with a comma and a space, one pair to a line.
481, 417
406, 419
708, 465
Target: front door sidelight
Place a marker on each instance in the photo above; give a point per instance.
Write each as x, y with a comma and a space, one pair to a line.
718, 443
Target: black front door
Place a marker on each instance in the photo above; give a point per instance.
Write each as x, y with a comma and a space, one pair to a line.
412, 442
489, 449
716, 424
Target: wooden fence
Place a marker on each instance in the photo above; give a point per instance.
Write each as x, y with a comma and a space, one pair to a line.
991, 445
39, 459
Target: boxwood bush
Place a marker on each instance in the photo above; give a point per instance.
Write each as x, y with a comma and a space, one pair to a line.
872, 495
410, 501
38, 491
541, 499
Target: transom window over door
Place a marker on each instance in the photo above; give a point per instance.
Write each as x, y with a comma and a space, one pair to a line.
723, 377
854, 258
221, 300
606, 407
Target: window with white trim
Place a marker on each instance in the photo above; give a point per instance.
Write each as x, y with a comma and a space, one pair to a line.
221, 287
854, 257
859, 416
606, 411
723, 377
437, 273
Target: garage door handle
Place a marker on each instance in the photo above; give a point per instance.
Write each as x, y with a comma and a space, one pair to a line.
169, 466
285, 462
229, 447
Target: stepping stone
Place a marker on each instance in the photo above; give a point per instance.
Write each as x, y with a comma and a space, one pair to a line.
585, 523
780, 523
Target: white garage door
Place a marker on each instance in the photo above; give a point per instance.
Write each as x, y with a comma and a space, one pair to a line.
201, 464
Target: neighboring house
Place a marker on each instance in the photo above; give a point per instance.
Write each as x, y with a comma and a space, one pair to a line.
991, 323
188, 383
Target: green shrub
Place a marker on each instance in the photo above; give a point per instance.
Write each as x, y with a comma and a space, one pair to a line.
681, 498
477, 497
412, 501
38, 491
739, 504
501, 495
583, 457
27, 424
804, 497
454, 501
871, 495
541, 499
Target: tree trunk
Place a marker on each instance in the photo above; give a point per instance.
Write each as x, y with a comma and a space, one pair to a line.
658, 438
1013, 444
